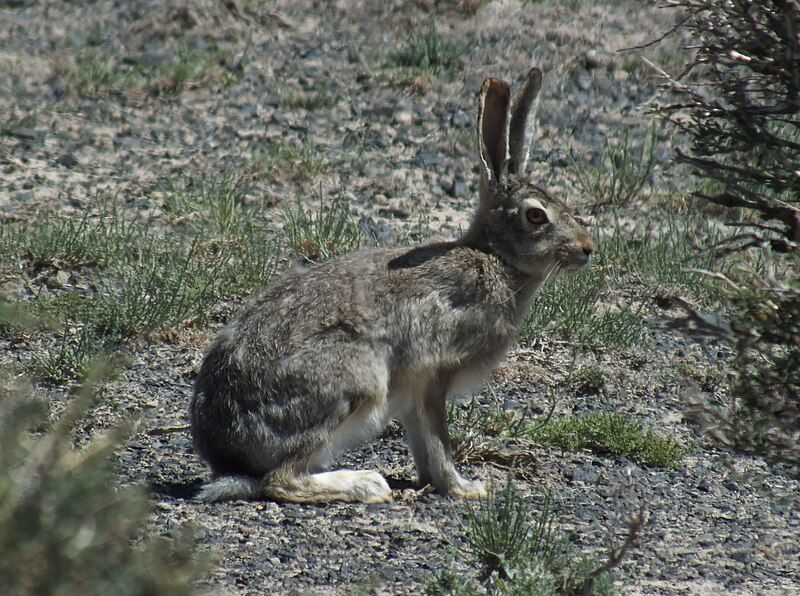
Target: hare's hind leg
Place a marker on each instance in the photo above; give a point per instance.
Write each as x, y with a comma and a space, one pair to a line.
340, 485
301, 483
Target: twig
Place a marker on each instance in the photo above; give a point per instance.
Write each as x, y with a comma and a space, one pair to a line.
658, 39
616, 555
714, 274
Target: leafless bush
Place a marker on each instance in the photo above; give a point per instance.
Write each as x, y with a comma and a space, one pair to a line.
737, 102
741, 110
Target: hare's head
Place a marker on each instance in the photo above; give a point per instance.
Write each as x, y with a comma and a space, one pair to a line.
521, 223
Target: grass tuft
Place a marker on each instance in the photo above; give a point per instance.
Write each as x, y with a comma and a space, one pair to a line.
427, 49
610, 433
97, 70
322, 98
424, 56
589, 379
623, 175
318, 235
520, 552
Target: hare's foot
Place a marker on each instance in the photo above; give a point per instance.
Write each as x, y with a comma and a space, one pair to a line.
467, 489
449, 482
341, 485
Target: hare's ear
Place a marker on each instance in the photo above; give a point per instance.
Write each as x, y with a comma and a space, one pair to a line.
494, 101
520, 128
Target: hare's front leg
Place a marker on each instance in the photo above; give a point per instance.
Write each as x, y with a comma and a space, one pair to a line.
426, 432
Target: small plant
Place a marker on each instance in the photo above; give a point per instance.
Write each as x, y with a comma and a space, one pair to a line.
101, 235
283, 162
213, 204
498, 530
93, 71
623, 174
613, 434
71, 357
589, 379
64, 526
427, 49
425, 55
318, 235
168, 288
498, 437
188, 66
521, 553
321, 99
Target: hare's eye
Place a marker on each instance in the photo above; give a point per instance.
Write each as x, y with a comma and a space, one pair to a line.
536, 216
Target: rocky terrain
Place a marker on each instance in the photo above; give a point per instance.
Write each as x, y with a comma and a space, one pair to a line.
314, 101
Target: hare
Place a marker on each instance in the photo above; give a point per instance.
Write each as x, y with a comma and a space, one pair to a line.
324, 358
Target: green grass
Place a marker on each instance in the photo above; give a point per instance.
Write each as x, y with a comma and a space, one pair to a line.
97, 237
519, 551
587, 380
318, 234
426, 48
322, 98
212, 203
610, 433
623, 175
423, 56
605, 306
68, 357
491, 435
139, 274
284, 162
96, 70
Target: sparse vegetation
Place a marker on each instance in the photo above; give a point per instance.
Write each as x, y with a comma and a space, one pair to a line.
140, 279
623, 175
605, 306
323, 98
589, 379
96, 70
318, 234
519, 552
64, 526
495, 436
283, 162
424, 55
610, 433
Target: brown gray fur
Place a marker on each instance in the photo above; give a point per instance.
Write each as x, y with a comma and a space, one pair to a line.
324, 358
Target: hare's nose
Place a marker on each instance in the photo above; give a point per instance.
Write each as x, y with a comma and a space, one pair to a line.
588, 246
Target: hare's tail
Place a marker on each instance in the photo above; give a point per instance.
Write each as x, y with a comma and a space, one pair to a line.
231, 488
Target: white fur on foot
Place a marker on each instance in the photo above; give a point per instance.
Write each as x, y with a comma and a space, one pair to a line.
363, 486
467, 489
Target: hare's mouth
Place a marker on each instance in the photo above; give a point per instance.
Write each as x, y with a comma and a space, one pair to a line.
577, 260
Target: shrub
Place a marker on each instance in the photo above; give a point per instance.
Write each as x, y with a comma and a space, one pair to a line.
742, 123
743, 120
64, 527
